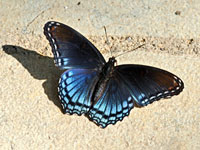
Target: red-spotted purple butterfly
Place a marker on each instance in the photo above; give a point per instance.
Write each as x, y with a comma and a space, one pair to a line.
105, 93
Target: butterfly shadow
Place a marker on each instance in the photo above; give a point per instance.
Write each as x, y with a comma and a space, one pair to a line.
40, 67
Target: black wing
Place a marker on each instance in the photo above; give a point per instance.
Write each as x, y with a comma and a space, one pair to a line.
70, 48
147, 84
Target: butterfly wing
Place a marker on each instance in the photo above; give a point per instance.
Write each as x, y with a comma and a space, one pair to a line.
75, 90
148, 84
132, 84
114, 104
70, 48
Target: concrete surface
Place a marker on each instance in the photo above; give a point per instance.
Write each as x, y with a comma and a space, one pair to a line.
30, 115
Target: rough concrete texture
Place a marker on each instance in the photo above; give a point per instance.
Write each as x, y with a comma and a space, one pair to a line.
30, 115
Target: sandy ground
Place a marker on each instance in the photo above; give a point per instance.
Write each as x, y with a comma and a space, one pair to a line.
30, 114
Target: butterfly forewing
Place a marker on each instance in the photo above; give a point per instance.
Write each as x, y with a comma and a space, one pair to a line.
148, 84
71, 49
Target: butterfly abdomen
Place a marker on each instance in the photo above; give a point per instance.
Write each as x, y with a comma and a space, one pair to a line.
99, 89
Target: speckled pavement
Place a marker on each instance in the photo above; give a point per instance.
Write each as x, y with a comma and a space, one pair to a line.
30, 112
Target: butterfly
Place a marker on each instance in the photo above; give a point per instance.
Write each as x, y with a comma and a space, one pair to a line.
100, 90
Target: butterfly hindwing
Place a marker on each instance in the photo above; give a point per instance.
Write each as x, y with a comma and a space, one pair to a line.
148, 84
75, 90
115, 103
70, 48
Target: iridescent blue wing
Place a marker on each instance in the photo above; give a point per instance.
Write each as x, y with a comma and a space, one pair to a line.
115, 103
75, 90
129, 85
147, 84
70, 48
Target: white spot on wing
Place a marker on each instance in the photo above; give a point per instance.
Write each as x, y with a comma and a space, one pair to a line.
55, 46
159, 94
175, 77
152, 97
59, 81
57, 54
53, 40
49, 34
166, 92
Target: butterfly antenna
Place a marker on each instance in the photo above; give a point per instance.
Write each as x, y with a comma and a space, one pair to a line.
129, 51
107, 41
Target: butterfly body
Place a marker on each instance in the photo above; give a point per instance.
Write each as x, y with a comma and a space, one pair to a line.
105, 93
104, 76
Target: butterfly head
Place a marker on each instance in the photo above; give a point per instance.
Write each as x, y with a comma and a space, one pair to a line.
108, 68
112, 61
